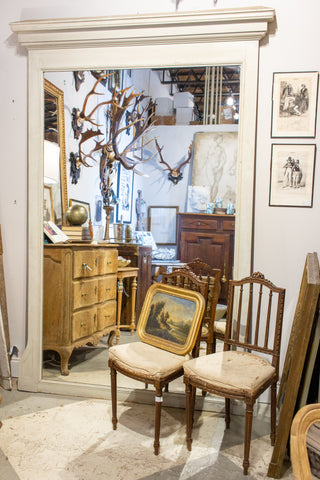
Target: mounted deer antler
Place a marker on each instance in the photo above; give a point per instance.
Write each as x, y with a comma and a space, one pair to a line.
175, 174
120, 102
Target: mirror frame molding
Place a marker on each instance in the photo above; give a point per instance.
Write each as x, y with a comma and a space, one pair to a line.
213, 37
59, 95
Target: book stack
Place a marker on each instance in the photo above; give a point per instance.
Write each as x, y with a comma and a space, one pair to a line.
73, 232
86, 234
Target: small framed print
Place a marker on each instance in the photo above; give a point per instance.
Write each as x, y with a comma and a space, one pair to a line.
163, 224
294, 104
125, 192
86, 205
292, 175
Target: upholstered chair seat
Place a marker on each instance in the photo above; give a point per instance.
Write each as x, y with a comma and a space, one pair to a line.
147, 361
240, 371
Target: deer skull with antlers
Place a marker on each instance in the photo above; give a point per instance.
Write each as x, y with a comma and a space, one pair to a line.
121, 101
175, 174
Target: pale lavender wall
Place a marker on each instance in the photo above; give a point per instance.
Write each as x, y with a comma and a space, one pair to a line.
282, 236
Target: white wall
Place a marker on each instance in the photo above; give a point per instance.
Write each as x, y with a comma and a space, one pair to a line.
282, 236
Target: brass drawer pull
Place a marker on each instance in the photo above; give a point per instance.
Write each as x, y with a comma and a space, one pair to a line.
107, 316
96, 261
83, 294
82, 324
108, 289
85, 266
95, 318
109, 262
95, 290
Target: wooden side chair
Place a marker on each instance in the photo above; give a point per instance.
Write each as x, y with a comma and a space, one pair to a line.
249, 362
213, 277
168, 330
304, 420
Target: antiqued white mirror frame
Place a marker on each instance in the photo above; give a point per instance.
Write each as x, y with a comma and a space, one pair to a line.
217, 37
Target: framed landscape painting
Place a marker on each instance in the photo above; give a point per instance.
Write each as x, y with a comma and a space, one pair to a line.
292, 175
294, 104
170, 318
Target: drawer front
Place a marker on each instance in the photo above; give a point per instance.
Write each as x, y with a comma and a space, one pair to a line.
85, 293
85, 263
84, 323
107, 314
107, 261
107, 288
229, 225
199, 223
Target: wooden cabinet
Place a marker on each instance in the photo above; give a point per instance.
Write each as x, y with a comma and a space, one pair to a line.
79, 297
211, 238
140, 257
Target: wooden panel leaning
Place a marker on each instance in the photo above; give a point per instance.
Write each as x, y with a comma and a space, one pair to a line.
304, 319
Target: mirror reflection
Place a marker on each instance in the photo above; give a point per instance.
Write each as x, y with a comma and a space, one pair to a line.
169, 140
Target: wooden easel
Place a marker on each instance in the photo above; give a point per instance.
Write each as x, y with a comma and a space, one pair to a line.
305, 321
5, 377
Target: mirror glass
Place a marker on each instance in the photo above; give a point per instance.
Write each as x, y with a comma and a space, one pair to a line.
209, 104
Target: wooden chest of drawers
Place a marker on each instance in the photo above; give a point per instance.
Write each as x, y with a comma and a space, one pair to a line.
79, 297
211, 238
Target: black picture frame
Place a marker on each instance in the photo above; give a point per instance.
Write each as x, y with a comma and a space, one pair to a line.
294, 104
292, 175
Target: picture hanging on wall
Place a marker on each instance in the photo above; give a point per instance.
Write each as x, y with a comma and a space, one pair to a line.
292, 175
294, 104
125, 192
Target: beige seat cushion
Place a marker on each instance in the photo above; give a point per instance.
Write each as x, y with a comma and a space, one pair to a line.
242, 371
145, 360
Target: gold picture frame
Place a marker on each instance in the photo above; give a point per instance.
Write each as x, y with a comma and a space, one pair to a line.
180, 309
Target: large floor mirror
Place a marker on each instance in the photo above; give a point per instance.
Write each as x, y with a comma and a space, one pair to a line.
214, 38
213, 118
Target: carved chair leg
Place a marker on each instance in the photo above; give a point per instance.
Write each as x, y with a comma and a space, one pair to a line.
273, 413
193, 402
113, 374
247, 436
189, 414
227, 412
158, 405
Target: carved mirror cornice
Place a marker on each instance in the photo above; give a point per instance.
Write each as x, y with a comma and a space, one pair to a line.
217, 37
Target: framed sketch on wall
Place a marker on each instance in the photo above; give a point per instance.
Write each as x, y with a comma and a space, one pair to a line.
292, 175
125, 192
294, 104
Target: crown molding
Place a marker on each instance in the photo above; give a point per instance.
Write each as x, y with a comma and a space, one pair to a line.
206, 26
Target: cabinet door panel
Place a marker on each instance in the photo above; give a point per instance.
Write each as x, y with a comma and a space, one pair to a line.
85, 293
107, 314
107, 288
84, 323
213, 249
